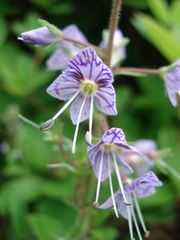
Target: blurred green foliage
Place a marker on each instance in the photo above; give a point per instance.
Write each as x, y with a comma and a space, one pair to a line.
161, 29
44, 203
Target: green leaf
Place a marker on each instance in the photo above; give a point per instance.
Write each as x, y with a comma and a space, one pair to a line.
30, 22
136, 4
158, 35
45, 227
15, 198
159, 9
3, 31
61, 211
109, 233
20, 75
36, 153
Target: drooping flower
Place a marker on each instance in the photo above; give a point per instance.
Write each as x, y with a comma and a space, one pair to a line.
65, 49
119, 43
38, 36
105, 157
141, 163
172, 82
86, 82
139, 188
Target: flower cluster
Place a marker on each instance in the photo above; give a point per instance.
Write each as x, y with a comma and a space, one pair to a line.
85, 83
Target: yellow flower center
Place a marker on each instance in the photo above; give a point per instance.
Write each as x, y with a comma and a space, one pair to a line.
88, 87
107, 147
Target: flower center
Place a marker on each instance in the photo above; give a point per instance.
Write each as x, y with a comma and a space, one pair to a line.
107, 147
88, 87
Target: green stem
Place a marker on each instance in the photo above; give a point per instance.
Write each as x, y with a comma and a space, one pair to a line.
113, 23
98, 50
137, 70
28, 121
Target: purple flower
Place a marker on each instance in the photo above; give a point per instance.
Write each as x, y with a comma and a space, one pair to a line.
39, 36
141, 163
65, 50
172, 83
86, 82
119, 43
105, 156
141, 187
144, 186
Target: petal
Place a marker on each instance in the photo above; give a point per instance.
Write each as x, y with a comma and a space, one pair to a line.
105, 100
145, 191
75, 108
94, 153
114, 136
64, 86
39, 36
145, 185
119, 50
121, 207
143, 166
154, 179
91, 67
65, 49
107, 204
125, 168
72, 31
172, 83
58, 60
145, 146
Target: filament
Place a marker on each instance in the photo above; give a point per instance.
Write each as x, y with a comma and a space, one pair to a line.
65, 106
135, 223
91, 118
138, 210
77, 125
130, 222
99, 178
119, 179
111, 189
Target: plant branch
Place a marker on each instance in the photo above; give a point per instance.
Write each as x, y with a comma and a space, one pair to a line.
98, 50
137, 70
113, 23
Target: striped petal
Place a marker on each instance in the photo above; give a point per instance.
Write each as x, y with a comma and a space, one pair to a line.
105, 100
75, 108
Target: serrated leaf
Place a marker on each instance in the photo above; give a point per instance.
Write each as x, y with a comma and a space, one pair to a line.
158, 35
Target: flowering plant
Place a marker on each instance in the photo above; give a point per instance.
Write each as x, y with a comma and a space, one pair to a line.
86, 83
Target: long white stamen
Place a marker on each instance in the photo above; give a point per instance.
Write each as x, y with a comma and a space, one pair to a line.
77, 125
119, 179
65, 106
99, 179
135, 223
130, 222
91, 117
138, 210
111, 189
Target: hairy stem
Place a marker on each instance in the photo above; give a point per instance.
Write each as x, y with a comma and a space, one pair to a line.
113, 23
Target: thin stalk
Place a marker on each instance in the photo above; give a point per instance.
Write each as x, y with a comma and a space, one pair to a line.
28, 121
139, 213
111, 189
113, 23
137, 70
99, 179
